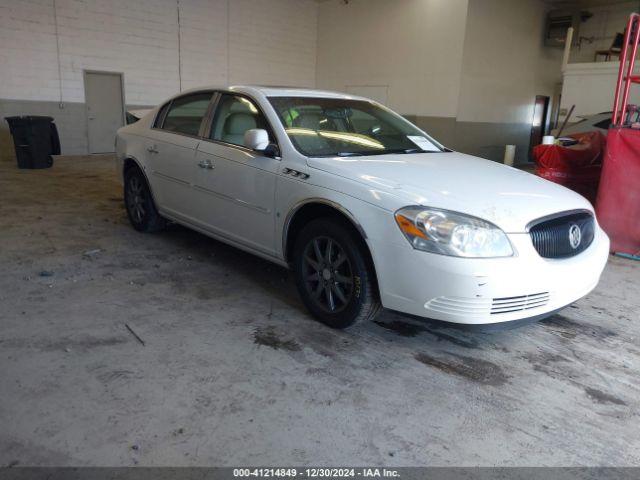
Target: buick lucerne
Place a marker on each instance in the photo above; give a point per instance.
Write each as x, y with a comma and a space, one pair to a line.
367, 209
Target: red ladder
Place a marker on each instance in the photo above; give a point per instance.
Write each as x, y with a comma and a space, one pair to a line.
625, 74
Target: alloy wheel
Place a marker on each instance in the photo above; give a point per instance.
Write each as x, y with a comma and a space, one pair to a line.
136, 199
328, 275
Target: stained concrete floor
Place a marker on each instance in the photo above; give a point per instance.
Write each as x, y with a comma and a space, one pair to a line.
234, 372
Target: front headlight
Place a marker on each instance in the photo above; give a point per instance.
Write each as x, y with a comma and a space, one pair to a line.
450, 233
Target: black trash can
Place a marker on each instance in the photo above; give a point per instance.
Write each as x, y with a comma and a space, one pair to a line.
35, 139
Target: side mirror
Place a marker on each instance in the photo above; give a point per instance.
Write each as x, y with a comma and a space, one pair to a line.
256, 139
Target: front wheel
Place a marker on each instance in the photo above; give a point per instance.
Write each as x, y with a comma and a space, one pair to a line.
334, 276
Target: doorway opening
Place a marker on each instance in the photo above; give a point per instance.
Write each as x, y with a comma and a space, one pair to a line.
539, 123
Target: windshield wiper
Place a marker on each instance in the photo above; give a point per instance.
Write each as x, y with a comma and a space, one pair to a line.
397, 150
378, 152
411, 150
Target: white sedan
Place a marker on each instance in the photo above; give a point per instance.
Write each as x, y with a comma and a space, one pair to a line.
366, 208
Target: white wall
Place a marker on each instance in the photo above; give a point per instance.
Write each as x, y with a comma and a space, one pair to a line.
408, 50
477, 60
452, 64
589, 85
591, 88
273, 42
505, 64
467, 71
221, 41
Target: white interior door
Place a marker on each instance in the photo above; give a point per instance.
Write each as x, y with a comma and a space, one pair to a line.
105, 109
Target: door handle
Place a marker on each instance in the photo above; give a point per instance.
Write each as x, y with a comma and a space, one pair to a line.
152, 149
205, 164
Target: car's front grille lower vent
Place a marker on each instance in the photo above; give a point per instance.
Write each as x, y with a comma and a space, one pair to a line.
522, 302
478, 307
564, 236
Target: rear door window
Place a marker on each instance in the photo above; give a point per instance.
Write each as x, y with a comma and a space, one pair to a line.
186, 113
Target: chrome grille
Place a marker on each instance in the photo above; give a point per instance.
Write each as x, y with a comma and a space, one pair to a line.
552, 238
522, 302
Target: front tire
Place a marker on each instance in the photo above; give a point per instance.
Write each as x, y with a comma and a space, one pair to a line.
334, 275
139, 203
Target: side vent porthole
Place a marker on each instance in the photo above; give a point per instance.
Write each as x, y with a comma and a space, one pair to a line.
295, 173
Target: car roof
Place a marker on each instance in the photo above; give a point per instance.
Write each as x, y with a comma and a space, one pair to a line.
273, 91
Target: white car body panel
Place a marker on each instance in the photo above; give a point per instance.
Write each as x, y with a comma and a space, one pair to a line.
238, 185
507, 197
248, 200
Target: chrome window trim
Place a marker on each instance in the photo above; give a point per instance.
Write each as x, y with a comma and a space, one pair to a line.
207, 124
238, 147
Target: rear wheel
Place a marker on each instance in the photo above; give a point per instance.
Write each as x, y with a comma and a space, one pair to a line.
141, 209
334, 275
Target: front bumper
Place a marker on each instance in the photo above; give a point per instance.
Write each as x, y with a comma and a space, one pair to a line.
486, 291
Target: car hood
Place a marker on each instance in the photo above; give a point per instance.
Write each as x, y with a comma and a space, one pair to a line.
507, 197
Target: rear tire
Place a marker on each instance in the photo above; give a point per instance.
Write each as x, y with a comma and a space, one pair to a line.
141, 209
334, 275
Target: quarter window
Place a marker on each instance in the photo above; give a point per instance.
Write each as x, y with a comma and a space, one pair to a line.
186, 113
234, 116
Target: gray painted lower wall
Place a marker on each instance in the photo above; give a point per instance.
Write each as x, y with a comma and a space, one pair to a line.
70, 120
485, 140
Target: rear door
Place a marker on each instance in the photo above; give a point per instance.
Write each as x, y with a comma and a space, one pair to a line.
235, 186
171, 152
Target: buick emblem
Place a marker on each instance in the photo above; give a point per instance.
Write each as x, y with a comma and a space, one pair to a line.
575, 236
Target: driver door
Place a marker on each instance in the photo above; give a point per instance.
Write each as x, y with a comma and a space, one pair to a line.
235, 186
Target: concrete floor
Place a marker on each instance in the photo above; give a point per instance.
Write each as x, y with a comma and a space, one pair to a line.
234, 371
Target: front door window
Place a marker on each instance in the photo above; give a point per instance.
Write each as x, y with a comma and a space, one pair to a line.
234, 116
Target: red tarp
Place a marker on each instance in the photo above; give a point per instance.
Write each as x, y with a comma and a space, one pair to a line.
618, 205
576, 167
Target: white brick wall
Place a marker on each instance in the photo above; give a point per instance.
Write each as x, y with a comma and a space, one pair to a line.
273, 42
221, 41
28, 66
203, 42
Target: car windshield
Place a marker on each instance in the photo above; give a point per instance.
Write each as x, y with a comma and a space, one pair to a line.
322, 127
